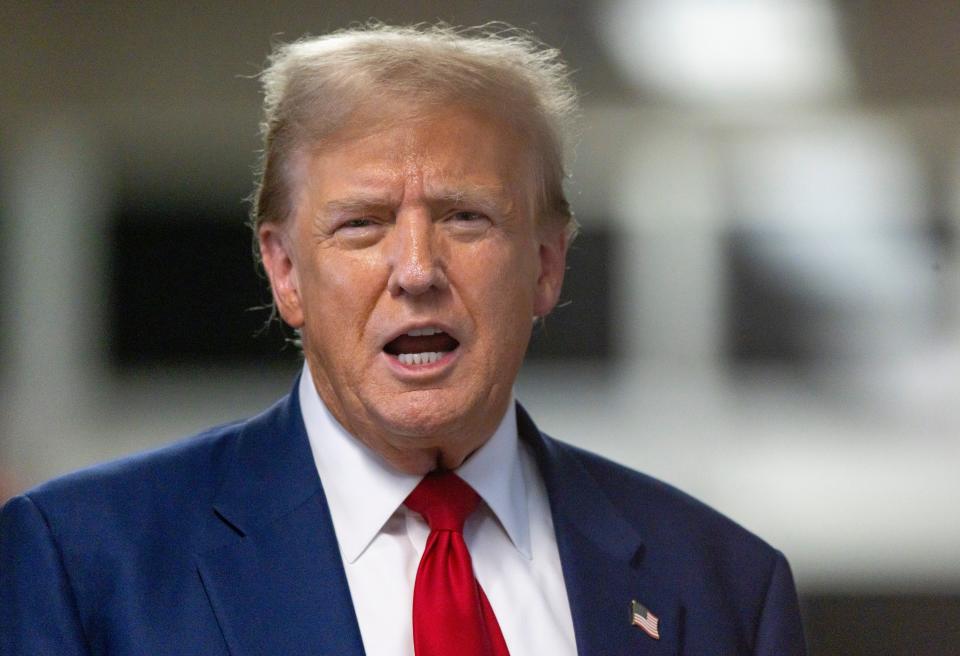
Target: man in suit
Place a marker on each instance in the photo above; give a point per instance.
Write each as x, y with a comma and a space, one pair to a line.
412, 222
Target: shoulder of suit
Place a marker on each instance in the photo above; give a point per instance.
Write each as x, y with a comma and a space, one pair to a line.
176, 460
661, 511
164, 484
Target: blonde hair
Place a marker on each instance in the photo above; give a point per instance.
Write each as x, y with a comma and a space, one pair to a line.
313, 86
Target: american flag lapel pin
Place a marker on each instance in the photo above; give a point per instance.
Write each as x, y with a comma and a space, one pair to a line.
642, 617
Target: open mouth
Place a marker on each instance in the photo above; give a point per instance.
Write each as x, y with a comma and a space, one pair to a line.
421, 346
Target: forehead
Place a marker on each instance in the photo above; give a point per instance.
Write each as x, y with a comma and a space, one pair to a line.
438, 153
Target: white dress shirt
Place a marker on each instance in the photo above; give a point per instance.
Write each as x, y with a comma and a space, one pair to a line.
510, 536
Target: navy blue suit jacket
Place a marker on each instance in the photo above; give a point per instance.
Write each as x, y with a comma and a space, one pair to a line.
223, 544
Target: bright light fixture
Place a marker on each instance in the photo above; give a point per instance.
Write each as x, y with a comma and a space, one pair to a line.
737, 52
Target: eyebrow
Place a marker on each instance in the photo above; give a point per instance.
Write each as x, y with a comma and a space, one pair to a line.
357, 203
486, 198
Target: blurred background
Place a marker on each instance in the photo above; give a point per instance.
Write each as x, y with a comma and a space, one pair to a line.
763, 308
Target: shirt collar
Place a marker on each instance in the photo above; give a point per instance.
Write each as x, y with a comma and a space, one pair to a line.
496, 473
346, 465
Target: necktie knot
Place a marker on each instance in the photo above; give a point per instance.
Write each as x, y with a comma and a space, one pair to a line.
444, 500
451, 613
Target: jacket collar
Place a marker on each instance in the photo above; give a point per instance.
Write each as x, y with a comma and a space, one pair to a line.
271, 468
276, 582
602, 556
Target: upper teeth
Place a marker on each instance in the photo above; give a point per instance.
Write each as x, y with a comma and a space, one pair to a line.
419, 332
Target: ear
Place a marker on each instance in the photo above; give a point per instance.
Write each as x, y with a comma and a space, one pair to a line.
553, 262
278, 261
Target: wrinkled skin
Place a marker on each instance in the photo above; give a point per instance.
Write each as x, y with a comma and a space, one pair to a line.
404, 225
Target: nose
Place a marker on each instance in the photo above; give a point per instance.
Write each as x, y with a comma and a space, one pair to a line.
415, 259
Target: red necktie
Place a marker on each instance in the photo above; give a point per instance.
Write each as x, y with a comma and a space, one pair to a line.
451, 614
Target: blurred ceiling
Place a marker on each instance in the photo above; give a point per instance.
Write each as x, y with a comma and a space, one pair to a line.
904, 50
165, 52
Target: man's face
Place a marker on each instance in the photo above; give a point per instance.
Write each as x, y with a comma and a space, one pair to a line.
414, 266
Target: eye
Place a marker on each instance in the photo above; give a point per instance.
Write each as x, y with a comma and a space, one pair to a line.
363, 222
468, 223
466, 216
358, 232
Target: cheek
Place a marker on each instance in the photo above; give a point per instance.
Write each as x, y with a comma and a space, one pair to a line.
339, 294
346, 275
504, 282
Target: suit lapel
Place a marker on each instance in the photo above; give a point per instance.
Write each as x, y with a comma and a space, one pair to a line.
602, 558
276, 582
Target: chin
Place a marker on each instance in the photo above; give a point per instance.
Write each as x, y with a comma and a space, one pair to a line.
423, 414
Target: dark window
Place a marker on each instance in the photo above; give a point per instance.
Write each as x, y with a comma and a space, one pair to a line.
580, 327
770, 318
184, 288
